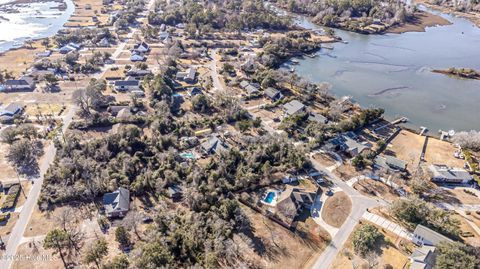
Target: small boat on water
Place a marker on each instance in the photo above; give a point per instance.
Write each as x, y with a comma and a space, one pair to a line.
326, 46
292, 70
312, 55
295, 61
344, 41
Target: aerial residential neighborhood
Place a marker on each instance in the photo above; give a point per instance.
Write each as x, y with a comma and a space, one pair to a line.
239, 134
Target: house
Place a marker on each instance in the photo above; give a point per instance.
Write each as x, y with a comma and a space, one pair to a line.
137, 57
249, 66
187, 76
251, 90
24, 83
213, 145
423, 258
293, 201
445, 174
244, 84
346, 144
138, 93
426, 236
127, 85
46, 53
318, 118
138, 73
389, 163
273, 94
115, 110
11, 110
70, 47
294, 107
164, 36
194, 91
104, 42
141, 48
174, 192
117, 203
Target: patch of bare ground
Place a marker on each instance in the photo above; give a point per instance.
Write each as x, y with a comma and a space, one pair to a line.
45, 259
278, 247
420, 22
468, 234
324, 159
407, 146
375, 188
336, 209
348, 171
442, 152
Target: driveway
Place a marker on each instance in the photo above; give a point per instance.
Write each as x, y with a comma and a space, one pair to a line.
360, 204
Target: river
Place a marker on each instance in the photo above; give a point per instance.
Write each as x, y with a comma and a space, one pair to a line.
30, 21
393, 71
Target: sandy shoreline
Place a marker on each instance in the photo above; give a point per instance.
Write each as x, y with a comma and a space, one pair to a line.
473, 17
423, 20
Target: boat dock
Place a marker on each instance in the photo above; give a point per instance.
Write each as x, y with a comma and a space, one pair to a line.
400, 120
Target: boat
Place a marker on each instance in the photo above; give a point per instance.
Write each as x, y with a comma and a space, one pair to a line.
344, 41
326, 46
292, 70
313, 55
295, 61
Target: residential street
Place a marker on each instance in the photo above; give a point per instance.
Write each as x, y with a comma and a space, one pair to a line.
360, 204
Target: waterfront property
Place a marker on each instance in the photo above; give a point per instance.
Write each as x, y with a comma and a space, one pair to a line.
273, 94
446, 174
347, 144
426, 236
294, 107
390, 163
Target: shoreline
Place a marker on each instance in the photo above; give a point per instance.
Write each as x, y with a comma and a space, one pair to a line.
473, 18
423, 20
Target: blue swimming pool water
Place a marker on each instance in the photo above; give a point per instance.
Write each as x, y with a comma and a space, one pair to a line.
187, 155
270, 197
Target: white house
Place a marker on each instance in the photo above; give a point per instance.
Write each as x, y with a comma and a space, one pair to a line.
446, 174
426, 236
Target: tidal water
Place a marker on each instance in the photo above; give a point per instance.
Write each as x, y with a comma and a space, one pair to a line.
393, 71
30, 21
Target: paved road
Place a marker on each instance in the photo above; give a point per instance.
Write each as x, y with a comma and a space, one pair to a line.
15, 237
360, 204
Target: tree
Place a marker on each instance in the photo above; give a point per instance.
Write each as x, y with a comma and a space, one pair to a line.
87, 99
119, 262
97, 251
57, 240
24, 153
122, 237
455, 255
51, 81
365, 239
200, 103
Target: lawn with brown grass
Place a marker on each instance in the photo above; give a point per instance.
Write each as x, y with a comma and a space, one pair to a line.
336, 209
407, 146
441, 152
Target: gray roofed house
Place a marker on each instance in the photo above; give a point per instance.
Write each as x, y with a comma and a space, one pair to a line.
136, 57
141, 47
174, 192
127, 85
423, 258
445, 174
348, 145
24, 83
273, 94
296, 199
244, 84
11, 110
187, 76
213, 145
138, 72
390, 163
117, 203
251, 90
294, 107
114, 110
317, 118
426, 236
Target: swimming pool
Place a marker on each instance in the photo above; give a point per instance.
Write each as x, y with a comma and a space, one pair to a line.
269, 198
188, 155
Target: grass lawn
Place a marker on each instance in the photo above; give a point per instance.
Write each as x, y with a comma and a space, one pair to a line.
336, 209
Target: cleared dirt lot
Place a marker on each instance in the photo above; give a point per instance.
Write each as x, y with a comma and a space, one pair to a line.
336, 209
278, 247
375, 188
407, 146
441, 152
